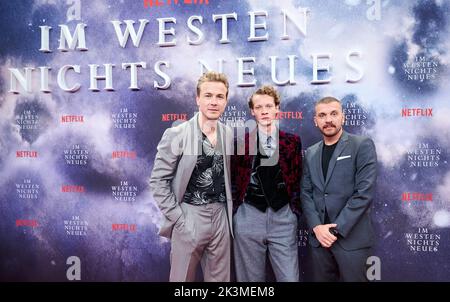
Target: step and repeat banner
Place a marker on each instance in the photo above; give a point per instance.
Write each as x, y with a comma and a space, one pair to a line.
88, 87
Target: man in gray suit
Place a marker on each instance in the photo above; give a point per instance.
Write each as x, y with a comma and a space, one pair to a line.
338, 184
190, 182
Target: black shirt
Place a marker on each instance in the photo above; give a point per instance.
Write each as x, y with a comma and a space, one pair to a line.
327, 152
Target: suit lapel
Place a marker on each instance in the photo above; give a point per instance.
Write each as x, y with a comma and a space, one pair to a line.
224, 143
282, 160
318, 163
192, 144
192, 148
339, 148
227, 147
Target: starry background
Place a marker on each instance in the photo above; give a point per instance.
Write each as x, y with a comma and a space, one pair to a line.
405, 30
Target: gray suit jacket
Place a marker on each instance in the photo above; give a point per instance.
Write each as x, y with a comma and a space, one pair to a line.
347, 192
173, 166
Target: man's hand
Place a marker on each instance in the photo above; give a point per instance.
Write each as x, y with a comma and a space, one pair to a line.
322, 232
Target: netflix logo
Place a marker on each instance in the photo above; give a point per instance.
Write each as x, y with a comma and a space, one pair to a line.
416, 196
29, 154
124, 227
72, 119
72, 189
169, 117
124, 154
412, 112
290, 115
26, 223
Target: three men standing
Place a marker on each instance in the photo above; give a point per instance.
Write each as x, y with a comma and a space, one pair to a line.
191, 184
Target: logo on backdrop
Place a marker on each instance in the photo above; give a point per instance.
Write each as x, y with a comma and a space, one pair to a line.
417, 197
27, 189
421, 69
420, 112
33, 223
234, 117
27, 120
76, 155
424, 155
124, 192
72, 189
290, 115
124, 227
26, 153
423, 241
75, 226
170, 117
123, 154
124, 119
72, 119
355, 115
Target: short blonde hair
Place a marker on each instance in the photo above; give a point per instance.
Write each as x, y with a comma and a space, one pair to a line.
212, 76
265, 90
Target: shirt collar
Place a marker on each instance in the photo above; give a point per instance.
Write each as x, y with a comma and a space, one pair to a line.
263, 135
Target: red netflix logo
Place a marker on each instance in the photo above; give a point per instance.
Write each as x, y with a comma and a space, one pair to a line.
72, 189
289, 115
72, 119
124, 227
124, 154
416, 196
407, 112
26, 223
169, 117
31, 154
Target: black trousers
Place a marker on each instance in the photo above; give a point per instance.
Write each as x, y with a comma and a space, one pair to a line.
336, 264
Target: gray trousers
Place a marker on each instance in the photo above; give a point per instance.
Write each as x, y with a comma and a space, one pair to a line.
201, 235
257, 233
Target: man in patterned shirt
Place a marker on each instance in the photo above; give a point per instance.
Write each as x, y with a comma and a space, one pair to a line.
190, 182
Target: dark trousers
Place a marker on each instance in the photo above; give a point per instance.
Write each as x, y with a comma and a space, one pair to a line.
336, 264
